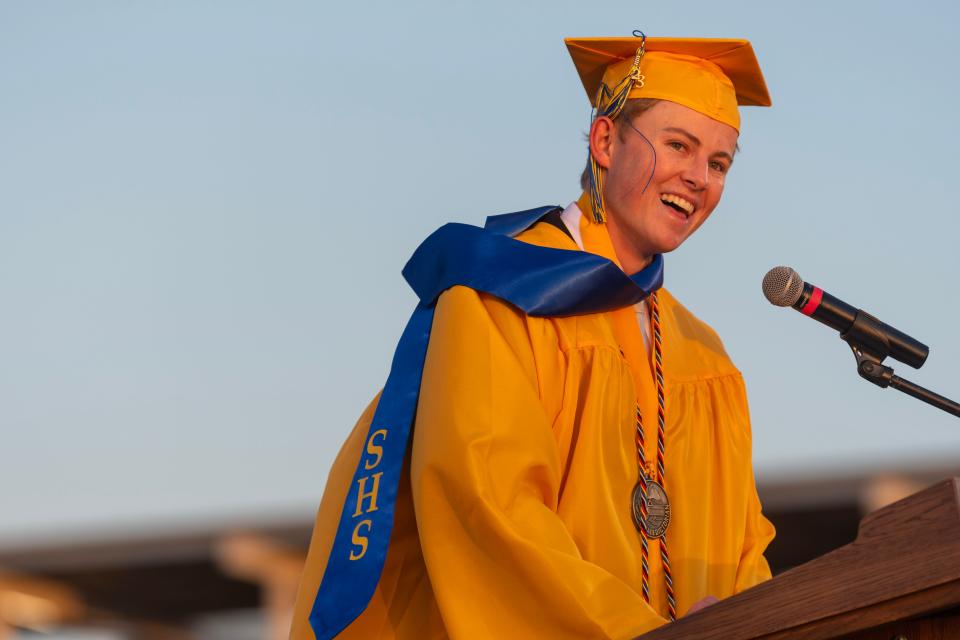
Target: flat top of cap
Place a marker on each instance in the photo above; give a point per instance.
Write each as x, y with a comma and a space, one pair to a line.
735, 57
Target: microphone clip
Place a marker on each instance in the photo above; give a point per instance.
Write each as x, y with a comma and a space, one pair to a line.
871, 368
868, 338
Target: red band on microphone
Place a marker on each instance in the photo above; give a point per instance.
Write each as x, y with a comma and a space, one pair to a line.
815, 298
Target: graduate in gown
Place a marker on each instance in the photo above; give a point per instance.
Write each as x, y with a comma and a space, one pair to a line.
584, 475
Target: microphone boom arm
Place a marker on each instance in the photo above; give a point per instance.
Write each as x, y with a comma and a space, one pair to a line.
871, 368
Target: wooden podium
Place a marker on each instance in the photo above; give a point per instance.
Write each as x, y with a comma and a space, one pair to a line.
899, 580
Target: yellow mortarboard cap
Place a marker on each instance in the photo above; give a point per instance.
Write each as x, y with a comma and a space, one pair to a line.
709, 75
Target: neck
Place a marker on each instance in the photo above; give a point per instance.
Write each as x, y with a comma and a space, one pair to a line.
630, 256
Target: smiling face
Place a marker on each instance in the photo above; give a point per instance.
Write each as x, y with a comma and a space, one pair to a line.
649, 215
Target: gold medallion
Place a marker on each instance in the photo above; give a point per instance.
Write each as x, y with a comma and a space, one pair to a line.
658, 509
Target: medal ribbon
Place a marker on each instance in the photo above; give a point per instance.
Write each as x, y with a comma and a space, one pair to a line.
541, 281
659, 476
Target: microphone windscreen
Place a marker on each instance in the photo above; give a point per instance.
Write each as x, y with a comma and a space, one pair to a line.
782, 286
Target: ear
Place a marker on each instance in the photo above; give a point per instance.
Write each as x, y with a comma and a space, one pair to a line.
602, 138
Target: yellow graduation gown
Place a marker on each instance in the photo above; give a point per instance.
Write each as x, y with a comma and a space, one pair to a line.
513, 518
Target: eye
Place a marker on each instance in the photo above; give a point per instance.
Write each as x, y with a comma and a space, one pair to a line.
676, 145
719, 167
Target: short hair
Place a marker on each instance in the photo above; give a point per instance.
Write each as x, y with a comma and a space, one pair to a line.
631, 109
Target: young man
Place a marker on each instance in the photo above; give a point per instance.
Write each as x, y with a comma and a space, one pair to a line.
580, 462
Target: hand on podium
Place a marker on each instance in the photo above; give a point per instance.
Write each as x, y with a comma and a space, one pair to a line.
702, 603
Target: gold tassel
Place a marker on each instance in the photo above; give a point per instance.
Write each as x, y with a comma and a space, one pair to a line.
610, 103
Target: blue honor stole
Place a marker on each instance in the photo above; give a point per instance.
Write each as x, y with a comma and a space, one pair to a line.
541, 281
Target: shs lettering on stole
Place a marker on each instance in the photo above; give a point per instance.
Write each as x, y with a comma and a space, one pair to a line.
367, 495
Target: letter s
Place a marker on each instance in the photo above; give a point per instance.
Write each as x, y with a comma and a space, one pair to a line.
375, 449
359, 540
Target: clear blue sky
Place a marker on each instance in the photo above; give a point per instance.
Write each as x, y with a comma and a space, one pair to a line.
205, 206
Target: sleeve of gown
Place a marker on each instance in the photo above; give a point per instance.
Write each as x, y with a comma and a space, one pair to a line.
486, 476
759, 532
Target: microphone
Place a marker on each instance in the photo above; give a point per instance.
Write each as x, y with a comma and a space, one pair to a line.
784, 287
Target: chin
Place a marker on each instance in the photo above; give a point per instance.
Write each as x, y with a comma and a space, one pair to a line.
667, 245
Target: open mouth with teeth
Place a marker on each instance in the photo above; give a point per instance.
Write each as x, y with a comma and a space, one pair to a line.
679, 204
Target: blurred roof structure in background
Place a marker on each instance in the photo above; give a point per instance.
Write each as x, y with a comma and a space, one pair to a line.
239, 582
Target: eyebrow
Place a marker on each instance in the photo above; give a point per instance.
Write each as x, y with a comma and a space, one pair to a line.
695, 140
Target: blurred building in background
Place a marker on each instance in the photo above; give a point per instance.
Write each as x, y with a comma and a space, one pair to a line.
238, 582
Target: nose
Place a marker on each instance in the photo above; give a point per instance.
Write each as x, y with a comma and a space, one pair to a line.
695, 174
